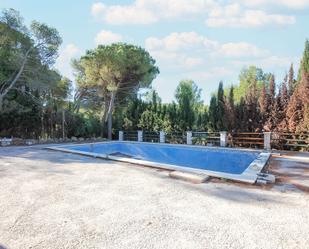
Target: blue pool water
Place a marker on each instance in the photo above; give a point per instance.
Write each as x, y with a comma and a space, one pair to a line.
213, 159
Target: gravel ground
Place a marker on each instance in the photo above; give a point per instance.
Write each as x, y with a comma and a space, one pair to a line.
57, 200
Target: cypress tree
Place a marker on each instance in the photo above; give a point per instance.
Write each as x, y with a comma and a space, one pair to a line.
220, 107
304, 64
264, 104
253, 119
230, 110
284, 98
212, 114
291, 81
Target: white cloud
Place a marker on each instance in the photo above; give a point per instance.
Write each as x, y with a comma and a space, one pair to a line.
234, 16
211, 73
149, 11
105, 37
233, 13
241, 49
293, 4
207, 61
97, 9
63, 63
180, 41
176, 45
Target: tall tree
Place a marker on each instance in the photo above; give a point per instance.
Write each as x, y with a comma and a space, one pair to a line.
253, 121
229, 111
212, 113
246, 77
220, 108
304, 63
25, 51
264, 104
116, 71
291, 81
298, 107
188, 97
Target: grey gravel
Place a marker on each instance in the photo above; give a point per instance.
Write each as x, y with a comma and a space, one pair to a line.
57, 200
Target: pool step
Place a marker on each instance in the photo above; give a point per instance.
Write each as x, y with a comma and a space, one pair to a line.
189, 177
264, 178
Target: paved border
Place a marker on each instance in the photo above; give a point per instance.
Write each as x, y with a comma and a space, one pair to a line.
250, 175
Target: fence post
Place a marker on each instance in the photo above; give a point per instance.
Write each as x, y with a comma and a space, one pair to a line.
120, 137
223, 138
267, 138
140, 136
189, 137
162, 137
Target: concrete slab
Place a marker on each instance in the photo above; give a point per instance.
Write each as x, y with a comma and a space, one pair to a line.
189, 177
55, 200
292, 168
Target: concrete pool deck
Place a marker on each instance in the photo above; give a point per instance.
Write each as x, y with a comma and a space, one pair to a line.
56, 200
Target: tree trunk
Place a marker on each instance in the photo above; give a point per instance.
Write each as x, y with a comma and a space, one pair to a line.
17, 76
109, 126
42, 124
1, 103
110, 115
63, 123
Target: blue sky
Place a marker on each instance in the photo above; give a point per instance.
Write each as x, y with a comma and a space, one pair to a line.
203, 40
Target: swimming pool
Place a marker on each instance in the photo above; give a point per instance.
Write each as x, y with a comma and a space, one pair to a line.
234, 164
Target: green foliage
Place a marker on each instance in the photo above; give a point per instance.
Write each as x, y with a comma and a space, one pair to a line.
220, 125
246, 77
212, 113
115, 72
188, 96
36, 101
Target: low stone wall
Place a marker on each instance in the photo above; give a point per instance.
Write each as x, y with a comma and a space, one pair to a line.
20, 141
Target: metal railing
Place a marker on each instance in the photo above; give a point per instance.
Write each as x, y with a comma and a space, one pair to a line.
151, 136
266, 140
176, 138
206, 138
130, 135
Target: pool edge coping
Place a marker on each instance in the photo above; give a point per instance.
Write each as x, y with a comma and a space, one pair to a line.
249, 175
